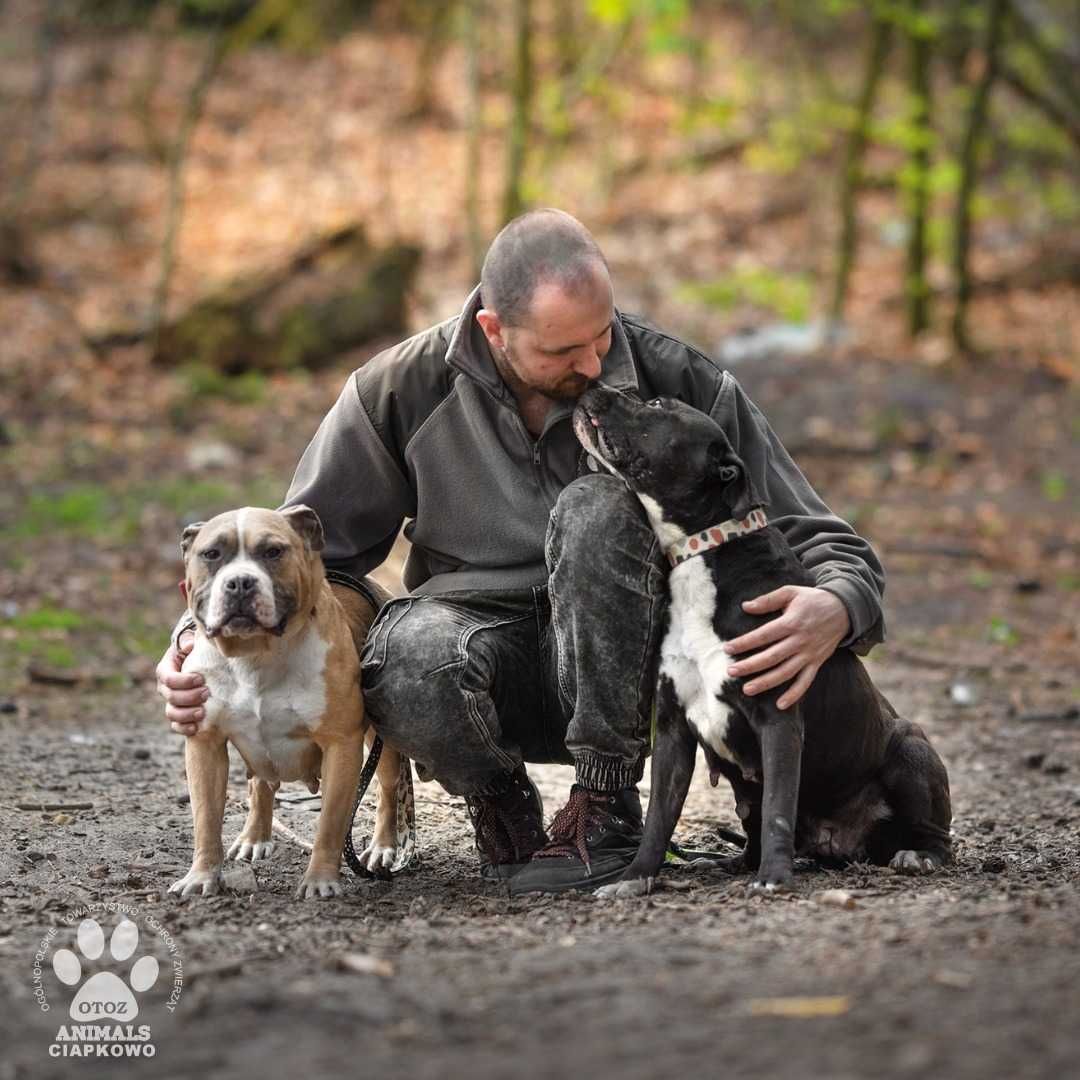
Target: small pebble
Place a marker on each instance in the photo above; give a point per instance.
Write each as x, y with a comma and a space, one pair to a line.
840, 898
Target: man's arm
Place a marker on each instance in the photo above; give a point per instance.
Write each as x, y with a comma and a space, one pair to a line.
844, 608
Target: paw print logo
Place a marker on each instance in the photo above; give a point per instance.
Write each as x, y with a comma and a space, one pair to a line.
105, 995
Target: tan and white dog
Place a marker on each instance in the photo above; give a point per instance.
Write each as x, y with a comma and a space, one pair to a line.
278, 646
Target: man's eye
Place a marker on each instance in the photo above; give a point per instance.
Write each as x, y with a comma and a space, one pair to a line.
273, 553
211, 554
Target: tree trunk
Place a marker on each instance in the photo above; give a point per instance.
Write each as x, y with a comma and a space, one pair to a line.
853, 161
969, 172
178, 159
916, 288
521, 94
470, 28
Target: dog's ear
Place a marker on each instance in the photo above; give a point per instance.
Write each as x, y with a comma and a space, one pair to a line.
740, 495
306, 522
187, 537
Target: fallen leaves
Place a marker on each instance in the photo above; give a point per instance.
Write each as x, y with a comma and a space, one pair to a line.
800, 1008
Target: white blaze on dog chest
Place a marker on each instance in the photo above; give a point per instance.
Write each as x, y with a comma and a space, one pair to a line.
268, 712
692, 655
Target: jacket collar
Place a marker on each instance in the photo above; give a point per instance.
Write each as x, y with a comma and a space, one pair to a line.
468, 352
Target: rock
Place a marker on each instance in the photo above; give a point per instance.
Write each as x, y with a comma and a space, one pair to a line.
995, 864
141, 754
959, 980
8, 707
1035, 760
1055, 767
99, 871
963, 694
240, 878
212, 455
364, 964
840, 898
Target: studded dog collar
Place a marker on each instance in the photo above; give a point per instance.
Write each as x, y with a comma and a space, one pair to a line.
714, 536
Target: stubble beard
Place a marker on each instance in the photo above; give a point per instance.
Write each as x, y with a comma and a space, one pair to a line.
567, 387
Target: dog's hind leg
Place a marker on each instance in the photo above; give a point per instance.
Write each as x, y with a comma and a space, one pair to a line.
379, 855
672, 769
254, 841
916, 839
781, 735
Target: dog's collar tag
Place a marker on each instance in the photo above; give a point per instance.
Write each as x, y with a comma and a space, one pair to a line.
715, 535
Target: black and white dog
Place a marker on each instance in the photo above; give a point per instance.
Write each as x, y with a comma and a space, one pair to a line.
839, 776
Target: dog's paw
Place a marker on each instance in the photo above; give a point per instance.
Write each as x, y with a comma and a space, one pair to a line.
915, 862
772, 884
244, 849
318, 885
625, 890
198, 883
377, 860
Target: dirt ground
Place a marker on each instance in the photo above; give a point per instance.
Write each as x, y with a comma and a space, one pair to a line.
972, 973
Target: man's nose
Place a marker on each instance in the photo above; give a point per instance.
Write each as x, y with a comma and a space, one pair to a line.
589, 365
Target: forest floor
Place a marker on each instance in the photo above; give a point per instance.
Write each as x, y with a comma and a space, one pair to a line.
962, 477
974, 972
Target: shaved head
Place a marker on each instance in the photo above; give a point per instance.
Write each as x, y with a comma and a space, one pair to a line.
539, 247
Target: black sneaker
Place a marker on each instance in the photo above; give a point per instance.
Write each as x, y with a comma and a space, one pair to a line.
509, 826
594, 838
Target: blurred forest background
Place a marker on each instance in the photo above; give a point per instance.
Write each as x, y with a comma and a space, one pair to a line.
212, 210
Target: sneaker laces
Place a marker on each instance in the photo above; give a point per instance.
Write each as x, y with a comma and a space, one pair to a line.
501, 834
570, 826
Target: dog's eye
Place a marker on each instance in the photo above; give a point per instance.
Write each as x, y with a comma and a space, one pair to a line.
656, 403
211, 554
273, 552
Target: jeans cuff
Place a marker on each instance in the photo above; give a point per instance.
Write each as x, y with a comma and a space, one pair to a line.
599, 772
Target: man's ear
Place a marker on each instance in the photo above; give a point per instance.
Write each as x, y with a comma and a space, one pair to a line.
492, 327
187, 537
306, 522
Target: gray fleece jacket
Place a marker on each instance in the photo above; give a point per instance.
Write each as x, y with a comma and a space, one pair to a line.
426, 432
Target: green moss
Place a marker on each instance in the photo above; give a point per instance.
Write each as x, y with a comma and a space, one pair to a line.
47, 618
785, 295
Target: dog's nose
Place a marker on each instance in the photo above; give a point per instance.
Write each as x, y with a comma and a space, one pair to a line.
240, 584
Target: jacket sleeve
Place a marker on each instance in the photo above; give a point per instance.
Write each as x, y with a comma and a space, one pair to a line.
353, 482
840, 560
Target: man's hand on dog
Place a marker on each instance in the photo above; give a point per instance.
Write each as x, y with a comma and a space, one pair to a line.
793, 645
184, 694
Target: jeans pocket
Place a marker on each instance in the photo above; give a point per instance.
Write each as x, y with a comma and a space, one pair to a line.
373, 654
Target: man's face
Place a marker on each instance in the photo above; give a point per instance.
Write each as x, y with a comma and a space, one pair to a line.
559, 347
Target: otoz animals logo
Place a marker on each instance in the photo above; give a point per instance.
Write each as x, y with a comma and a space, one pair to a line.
107, 982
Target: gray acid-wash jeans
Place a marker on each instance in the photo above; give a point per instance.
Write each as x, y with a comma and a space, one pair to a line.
470, 684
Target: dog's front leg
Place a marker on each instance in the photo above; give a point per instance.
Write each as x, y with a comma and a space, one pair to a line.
781, 735
341, 763
254, 841
381, 851
206, 757
672, 769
